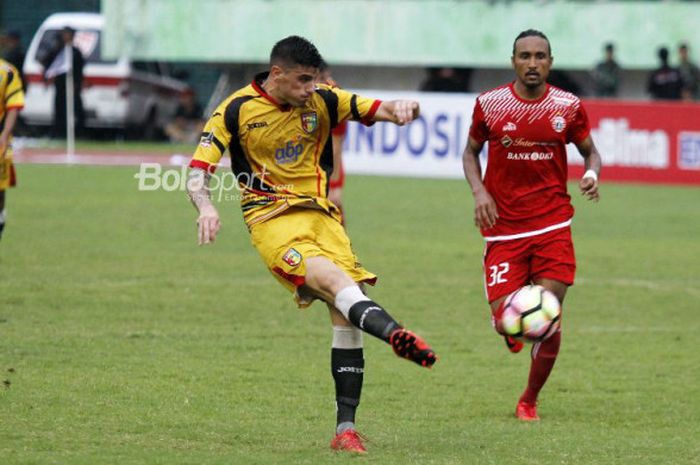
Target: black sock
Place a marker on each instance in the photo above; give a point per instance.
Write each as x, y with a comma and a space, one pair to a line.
348, 367
372, 319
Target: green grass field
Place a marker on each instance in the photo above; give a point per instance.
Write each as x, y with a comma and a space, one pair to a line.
122, 342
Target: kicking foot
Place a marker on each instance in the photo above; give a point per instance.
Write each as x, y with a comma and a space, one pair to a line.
408, 345
513, 344
349, 441
526, 412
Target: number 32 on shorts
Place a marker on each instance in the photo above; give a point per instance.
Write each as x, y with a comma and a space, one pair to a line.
497, 272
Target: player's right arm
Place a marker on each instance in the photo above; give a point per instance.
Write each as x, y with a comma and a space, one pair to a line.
13, 102
215, 138
208, 223
485, 212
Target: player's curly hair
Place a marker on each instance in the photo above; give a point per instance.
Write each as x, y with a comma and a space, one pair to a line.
295, 50
532, 33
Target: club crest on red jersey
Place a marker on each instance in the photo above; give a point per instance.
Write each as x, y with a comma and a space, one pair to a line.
309, 122
558, 123
291, 257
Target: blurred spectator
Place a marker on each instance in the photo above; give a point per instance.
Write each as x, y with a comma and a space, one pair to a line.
665, 82
690, 74
56, 67
11, 44
562, 80
606, 74
447, 80
188, 123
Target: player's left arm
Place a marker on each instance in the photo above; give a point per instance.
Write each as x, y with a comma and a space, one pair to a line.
589, 182
397, 111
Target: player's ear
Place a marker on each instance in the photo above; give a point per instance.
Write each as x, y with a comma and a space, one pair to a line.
276, 71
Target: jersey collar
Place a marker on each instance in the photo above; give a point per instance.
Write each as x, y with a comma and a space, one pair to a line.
511, 86
257, 86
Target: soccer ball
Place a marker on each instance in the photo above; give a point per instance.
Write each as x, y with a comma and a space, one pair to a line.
531, 313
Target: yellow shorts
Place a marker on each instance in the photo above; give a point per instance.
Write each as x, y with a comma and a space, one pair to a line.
285, 240
8, 178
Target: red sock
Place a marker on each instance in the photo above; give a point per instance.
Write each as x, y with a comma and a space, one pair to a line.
544, 356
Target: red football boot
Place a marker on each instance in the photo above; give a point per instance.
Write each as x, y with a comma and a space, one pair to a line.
408, 345
526, 412
513, 344
349, 441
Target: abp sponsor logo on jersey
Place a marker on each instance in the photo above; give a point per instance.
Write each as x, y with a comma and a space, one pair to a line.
290, 152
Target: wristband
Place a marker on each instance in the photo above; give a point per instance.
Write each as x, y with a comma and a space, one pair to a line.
591, 174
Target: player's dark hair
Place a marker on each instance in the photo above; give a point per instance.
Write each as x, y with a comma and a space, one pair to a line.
295, 50
532, 33
323, 66
663, 55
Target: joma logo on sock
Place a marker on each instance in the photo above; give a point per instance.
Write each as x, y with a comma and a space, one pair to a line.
364, 315
357, 370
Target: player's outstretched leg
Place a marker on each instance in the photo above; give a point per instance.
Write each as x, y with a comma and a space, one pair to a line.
544, 354
347, 366
371, 318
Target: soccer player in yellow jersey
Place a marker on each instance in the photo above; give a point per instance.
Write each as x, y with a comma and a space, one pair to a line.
11, 102
277, 131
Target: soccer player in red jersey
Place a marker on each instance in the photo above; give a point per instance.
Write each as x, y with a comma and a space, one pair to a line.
521, 205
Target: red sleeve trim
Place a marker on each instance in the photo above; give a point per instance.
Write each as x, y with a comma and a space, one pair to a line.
14, 107
203, 165
367, 120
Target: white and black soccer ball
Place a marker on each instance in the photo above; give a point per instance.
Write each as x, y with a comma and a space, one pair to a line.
532, 313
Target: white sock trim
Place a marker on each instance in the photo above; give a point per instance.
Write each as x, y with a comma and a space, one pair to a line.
347, 337
2, 215
348, 297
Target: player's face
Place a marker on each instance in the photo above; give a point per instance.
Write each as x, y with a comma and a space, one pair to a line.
296, 85
532, 61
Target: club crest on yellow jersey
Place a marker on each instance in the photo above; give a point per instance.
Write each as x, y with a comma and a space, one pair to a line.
292, 257
309, 122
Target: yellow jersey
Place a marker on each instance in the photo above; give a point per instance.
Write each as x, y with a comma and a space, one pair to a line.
281, 156
11, 93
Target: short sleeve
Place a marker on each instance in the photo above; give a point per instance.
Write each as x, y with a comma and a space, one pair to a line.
354, 107
478, 131
579, 128
213, 142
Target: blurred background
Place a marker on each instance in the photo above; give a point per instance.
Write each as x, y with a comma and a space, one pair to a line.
154, 69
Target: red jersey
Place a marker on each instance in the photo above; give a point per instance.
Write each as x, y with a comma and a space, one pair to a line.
340, 130
526, 171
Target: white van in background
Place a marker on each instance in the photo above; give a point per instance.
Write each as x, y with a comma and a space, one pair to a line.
126, 94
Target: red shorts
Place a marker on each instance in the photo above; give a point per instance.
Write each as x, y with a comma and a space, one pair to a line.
512, 264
